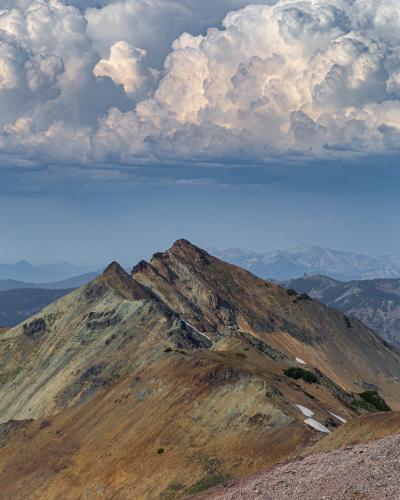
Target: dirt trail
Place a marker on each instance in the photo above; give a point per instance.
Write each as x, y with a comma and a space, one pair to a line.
367, 471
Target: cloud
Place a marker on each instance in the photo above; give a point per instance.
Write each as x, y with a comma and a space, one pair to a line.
127, 66
90, 82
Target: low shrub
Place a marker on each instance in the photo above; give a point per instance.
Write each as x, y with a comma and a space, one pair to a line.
241, 355
300, 373
303, 296
372, 401
206, 483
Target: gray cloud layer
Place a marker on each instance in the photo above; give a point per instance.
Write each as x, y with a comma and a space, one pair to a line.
139, 81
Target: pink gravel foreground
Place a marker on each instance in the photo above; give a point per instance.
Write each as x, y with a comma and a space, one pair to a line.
367, 471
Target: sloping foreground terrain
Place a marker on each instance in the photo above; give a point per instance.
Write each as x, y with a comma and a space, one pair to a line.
374, 302
368, 471
185, 372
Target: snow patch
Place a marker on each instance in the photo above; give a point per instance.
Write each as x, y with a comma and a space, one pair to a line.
299, 360
305, 411
316, 425
339, 418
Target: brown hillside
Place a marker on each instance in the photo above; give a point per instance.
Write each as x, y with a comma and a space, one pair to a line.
142, 385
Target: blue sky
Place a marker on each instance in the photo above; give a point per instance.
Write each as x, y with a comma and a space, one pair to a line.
261, 208
262, 124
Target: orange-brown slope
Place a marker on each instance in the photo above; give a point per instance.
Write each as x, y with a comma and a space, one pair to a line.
172, 423
360, 430
111, 374
221, 299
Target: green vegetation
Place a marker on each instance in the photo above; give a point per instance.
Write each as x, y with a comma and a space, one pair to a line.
347, 321
303, 296
172, 491
206, 483
114, 377
241, 355
290, 291
371, 401
300, 373
181, 352
160, 451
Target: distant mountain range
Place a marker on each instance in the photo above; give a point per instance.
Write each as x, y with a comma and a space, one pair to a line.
287, 264
17, 305
374, 302
25, 271
21, 299
75, 282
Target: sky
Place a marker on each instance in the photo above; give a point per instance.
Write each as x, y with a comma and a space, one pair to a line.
126, 124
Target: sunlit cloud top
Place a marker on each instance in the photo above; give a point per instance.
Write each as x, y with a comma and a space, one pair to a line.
135, 81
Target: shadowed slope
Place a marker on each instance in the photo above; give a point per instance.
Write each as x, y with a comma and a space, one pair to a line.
374, 302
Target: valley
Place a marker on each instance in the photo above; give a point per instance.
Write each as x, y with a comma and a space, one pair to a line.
374, 302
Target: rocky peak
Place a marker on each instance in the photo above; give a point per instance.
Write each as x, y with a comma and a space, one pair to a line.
142, 266
184, 248
114, 268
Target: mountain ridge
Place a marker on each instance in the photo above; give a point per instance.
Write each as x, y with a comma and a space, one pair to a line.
186, 369
288, 264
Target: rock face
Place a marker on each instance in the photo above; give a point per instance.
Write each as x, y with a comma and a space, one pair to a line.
374, 302
140, 385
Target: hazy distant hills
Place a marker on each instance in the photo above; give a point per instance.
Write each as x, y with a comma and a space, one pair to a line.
75, 282
287, 264
17, 305
25, 271
21, 299
374, 302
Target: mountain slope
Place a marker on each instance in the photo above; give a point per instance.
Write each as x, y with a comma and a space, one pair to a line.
363, 471
374, 302
286, 264
142, 385
223, 299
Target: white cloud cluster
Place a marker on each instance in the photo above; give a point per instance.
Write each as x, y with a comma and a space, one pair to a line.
318, 77
128, 66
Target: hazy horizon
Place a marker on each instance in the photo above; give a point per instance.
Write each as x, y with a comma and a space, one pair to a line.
260, 125
350, 208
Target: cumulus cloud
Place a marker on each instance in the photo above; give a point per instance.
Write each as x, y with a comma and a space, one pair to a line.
137, 81
128, 66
